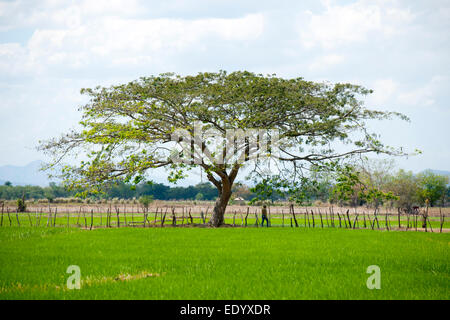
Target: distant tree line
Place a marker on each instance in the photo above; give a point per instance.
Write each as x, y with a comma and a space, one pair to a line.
372, 183
201, 191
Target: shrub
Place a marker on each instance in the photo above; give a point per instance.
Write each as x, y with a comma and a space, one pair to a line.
21, 206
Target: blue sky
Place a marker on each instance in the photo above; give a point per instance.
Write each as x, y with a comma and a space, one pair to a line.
400, 49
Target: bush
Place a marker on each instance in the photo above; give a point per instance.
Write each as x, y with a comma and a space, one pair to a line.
21, 206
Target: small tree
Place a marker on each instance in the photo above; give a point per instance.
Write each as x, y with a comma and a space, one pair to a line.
145, 201
404, 184
269, 188
199, 196
348, 187
21, 205
432, 187
49, 196
351, 187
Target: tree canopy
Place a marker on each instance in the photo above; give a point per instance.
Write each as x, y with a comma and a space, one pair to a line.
268, 122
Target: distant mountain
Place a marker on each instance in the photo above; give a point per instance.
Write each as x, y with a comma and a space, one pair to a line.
439, 172
24, 175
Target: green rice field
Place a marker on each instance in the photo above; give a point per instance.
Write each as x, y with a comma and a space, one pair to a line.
224, 263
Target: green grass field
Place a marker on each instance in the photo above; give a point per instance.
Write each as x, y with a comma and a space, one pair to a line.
224, 263
63, 219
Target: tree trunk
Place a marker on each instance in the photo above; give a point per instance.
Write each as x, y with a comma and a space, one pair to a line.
218, 215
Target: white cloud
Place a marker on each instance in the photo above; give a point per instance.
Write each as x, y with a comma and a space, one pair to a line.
383, 90
52, 48
426, 95
355, 22
406, 96
58, 14
325, 62
112, 41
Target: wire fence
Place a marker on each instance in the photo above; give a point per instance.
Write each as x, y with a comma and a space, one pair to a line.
116, 216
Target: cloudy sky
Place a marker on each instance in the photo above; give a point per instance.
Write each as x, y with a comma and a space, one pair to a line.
50, 49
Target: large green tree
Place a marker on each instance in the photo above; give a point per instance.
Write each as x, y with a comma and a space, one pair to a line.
433, 187
405, 185
131, 128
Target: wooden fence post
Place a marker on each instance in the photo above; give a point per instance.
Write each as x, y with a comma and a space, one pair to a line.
429, 223
118, 216
386, 222
332, 216
156, 215
442, 221
349, 221
190, 216
312, 216
407, 221
376, 218
373, 222
248, 210
174, 218
146, 214
78, 218
17, 217
293, 215
9, 217
3, 207
206, 214
92, 218
163, 218
270, 218
54, 219
321, 221
307, 215
425, 216
109, 214
356, 220
202, 216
